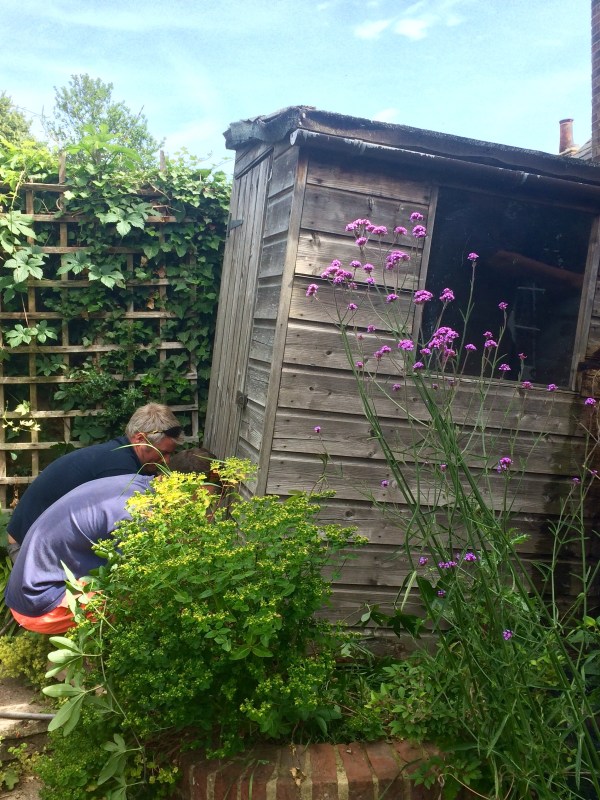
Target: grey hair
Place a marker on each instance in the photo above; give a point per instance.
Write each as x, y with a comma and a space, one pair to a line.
153, 420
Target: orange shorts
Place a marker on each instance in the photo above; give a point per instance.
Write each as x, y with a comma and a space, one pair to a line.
58, 620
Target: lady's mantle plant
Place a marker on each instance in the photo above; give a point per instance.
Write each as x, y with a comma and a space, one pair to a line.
203, 633
513, 677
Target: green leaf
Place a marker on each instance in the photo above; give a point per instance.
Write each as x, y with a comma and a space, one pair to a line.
240, 653
10, 777
262, 652
62, 641
60, 656
123, 227
63, 690
115, 763
67, 715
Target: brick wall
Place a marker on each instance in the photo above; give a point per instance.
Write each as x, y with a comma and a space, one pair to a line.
358, 771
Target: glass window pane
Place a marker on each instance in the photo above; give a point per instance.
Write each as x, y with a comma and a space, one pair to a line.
532, 257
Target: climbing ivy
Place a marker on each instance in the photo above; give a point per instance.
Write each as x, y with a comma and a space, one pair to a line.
148, 240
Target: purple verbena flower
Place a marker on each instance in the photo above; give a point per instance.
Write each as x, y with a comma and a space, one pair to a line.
361, 241
522, 356
391, 297
422, 296
395, 257
425, 351
406, 344
443, 467
576, 480
527, 385
416, 216
419, 231
400, 231
385, 484
552, 387
447, 296
469, 556
507, 634
371, 328
360, 364
396, 387
352, 306
357, 224
418, 365
504, 368
503, 464
470, 347
441, 593
490, 343
368, 268
503, 306
423, 560
379, 354
472, 257
589, 401
370, 280
317, 429
312, 290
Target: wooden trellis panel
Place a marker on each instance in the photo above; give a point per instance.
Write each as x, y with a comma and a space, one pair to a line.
24, 378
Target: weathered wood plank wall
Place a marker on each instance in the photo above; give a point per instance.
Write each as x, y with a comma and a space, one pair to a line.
298, 376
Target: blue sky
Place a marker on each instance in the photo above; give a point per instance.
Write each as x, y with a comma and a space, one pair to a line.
498, 70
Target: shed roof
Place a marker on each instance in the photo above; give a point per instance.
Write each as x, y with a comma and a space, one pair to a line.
340, 130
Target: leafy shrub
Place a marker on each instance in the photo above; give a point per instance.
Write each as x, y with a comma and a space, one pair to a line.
19, 762
204, 629
25, 655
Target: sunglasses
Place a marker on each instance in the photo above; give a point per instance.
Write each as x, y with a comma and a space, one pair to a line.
172, 433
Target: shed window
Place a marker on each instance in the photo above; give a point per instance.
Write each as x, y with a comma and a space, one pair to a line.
531, 256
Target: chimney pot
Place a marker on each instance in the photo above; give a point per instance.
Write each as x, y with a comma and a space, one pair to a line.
566, 136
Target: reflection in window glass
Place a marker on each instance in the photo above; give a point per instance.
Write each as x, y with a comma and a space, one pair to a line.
532, 257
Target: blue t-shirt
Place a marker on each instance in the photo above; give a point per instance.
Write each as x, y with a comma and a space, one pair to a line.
65, 532
116, 457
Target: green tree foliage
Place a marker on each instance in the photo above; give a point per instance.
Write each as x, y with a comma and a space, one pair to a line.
14, 127
87, 101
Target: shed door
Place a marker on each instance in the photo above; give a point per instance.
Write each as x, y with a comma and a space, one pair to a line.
237, 300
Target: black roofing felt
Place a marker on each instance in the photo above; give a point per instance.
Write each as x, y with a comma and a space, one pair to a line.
275, 127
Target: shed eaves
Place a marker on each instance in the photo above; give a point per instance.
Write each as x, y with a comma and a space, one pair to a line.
277, 126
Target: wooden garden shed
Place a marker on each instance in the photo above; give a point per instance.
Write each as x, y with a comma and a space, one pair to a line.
278, 368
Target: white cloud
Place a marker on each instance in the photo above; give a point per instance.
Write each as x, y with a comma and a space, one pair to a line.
371, 30
387, 115
416, 21
415, 28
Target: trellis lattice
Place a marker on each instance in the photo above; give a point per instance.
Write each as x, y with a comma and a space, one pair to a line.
32, 373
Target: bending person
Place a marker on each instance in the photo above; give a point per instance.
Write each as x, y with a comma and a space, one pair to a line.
151, 437
65, 533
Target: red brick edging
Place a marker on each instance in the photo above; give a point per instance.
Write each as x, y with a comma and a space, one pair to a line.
357, 771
